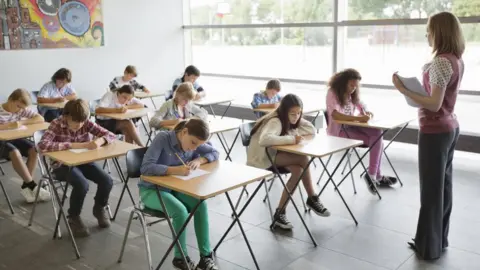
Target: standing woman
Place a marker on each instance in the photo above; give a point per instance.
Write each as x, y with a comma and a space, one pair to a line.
439, 132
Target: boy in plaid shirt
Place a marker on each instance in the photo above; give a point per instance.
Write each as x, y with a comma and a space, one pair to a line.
13, 114
73, 130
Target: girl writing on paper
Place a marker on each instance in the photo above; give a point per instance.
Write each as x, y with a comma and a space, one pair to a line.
343, 104
169, 151
439, 131
285, 126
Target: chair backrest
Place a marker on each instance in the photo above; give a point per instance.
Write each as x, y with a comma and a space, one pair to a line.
34, 95
245, 130
37, 136
134, 162
325, 115
92, 104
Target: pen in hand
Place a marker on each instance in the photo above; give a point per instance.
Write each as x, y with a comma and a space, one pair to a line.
187, 168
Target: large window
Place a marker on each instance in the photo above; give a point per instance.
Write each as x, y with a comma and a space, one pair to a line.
294, 53
409, 9
304, 42
259, 11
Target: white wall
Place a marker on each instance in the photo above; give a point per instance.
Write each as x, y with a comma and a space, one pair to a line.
144, 33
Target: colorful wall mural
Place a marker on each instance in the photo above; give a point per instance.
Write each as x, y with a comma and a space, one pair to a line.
38, 24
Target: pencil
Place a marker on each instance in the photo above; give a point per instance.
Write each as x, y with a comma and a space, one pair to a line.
181, 160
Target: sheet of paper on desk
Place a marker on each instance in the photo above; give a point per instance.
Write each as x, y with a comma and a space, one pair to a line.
193, 174
79, 150
15, 129
414, 85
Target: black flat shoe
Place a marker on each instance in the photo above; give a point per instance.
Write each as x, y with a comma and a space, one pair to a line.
412, 245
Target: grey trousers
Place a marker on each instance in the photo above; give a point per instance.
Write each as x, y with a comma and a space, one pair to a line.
435, 155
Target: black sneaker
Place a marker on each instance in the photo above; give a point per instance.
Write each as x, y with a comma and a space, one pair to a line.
280, 220
386, 181
179, 264
314, 204
207, 263
370, 184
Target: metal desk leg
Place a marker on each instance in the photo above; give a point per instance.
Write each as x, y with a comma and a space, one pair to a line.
289, 193
330, 179
61, 213
125, 186
175, 236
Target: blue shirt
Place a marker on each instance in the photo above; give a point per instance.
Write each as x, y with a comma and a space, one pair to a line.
161, 155
50, 90
177, 82
261, 98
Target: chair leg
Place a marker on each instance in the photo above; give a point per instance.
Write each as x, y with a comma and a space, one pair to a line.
323, 171
109, 211
40, 184
348, 160
1, 171
303, 199
127, 231
145, 236
351, 175
7, 198
269, 188
268, 200
240, 198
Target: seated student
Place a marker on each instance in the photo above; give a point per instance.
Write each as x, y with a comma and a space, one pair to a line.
191, 74
13, 114
128, 77
59, 89
269, 98
119, 101
285, 126
178, 108
343, 103
185, 142
73, 130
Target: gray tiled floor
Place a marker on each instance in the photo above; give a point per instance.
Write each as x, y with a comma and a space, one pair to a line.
379, 241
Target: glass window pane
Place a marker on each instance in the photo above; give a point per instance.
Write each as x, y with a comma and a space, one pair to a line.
378, 51
413, 9
296, 53
259, 11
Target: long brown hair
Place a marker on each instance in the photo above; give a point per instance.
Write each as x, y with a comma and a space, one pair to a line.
339, 85
195, 127
446, 34
289, 101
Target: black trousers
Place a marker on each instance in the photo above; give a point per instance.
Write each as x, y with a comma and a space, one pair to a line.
435, 156
78, 177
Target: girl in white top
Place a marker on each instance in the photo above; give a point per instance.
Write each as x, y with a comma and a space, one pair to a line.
179, 108
285, 126
119, 101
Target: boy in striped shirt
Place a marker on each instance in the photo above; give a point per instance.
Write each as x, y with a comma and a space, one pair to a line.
13, 115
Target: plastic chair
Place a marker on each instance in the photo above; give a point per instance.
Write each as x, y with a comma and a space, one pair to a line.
134, 161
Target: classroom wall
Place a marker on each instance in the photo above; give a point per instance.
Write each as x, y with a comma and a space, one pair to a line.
144, 33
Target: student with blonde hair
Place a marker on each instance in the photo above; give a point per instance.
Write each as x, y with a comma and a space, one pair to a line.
439, 131
13, 114
179, 108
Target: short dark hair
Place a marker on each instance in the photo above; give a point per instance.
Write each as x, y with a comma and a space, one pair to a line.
125, 89
274, 84
195, 127
78, 109
192, 70
131, 70
62, 74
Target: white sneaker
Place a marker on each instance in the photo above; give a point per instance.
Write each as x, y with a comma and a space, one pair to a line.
44, 194
29, 194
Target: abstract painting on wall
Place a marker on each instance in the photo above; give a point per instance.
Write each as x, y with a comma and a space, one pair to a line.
39, 24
